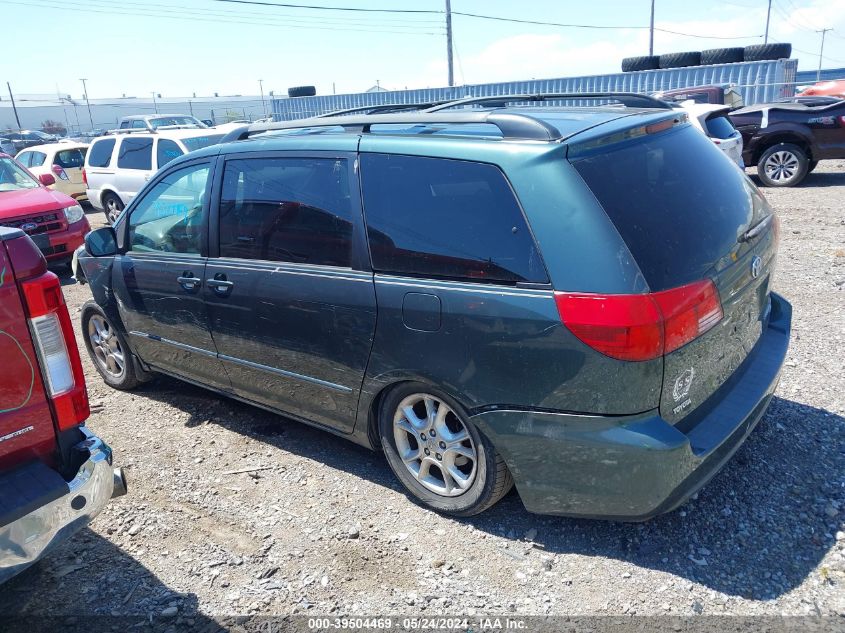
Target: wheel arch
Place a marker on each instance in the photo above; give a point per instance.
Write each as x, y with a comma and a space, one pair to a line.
372, 408
785, 136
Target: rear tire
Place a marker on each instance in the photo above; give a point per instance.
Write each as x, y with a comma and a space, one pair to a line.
452, 444
112, 206
783, 165
108, 350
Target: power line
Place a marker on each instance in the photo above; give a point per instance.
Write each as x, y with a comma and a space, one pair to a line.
70, 6
323, 8
496, 18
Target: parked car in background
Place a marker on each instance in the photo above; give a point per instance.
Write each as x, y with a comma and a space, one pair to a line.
714, 122
152, 122
54, 221
64, 160
28, 138
117, 166
716, 94
555, 297
832, 88
811, 100
787, 140
55, 474
7, 147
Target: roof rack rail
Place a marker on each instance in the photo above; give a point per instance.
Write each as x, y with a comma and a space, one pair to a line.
510, 125
628, 99
127, 130
383, 108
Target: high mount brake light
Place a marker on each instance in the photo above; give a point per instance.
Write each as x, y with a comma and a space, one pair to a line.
57, 352
643, 326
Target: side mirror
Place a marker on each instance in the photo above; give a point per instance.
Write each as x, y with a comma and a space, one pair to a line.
47, 179
101, 242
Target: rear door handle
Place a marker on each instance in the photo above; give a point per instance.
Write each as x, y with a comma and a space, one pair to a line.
189, 283
221, 287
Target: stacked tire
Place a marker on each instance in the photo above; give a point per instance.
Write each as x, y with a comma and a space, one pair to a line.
302, 91
709, 57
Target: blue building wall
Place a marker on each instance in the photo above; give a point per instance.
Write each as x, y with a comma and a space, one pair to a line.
804, 77
758, 82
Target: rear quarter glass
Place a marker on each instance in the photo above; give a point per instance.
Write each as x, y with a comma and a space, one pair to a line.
719, 127
100, 153
677, 201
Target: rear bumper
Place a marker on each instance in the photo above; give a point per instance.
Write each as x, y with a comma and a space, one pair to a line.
28, 537
633, 468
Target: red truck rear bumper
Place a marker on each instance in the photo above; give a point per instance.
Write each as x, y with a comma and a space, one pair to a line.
27, 534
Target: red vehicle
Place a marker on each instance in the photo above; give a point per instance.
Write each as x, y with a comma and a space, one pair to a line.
54, 221
832, 88
55, 475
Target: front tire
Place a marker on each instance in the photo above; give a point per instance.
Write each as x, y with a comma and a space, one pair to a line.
108, 350
783, 165
437, 453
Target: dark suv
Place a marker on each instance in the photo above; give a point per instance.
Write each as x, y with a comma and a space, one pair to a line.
548, 296
787, 140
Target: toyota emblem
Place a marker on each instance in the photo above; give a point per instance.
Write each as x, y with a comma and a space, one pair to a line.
756, 266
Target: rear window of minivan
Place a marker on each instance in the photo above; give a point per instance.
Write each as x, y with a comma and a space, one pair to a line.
100, 153
675, 199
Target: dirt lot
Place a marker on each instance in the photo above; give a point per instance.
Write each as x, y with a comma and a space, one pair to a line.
323, 528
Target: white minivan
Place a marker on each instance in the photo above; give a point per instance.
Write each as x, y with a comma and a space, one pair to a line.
118, 165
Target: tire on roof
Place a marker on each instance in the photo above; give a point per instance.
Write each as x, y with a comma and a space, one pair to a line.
722, 55
302, 91
680, 60
648, 62
764, 52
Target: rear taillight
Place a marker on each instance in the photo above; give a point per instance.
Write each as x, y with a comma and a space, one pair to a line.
644, 326
84, 176
57, 352
60, 173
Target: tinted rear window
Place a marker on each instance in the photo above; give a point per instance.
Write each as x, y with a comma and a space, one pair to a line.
678, 203
135, 153
100, 153
719, 127
446, 218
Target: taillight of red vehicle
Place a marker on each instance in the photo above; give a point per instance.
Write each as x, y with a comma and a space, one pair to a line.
84, 177
55, 344
643, 326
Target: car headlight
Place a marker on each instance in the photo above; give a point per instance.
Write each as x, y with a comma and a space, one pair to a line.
74, 213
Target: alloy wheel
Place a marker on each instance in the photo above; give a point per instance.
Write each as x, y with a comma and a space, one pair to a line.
781, 166
106, 346
435, 445
112, 209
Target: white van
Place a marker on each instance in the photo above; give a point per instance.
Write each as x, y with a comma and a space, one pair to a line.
118, 165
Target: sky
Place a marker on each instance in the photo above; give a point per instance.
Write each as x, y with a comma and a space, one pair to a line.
180, 47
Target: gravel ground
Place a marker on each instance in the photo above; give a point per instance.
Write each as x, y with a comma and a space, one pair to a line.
321, 527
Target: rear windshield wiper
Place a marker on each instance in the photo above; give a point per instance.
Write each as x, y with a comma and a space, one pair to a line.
756, 230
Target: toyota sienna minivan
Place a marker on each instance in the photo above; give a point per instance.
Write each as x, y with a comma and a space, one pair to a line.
573, 300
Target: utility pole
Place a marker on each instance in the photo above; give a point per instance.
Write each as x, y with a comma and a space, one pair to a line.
449, 42
651, 32
155, 105
261, 88
14, 107
768, 16
88, 103
821, 53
